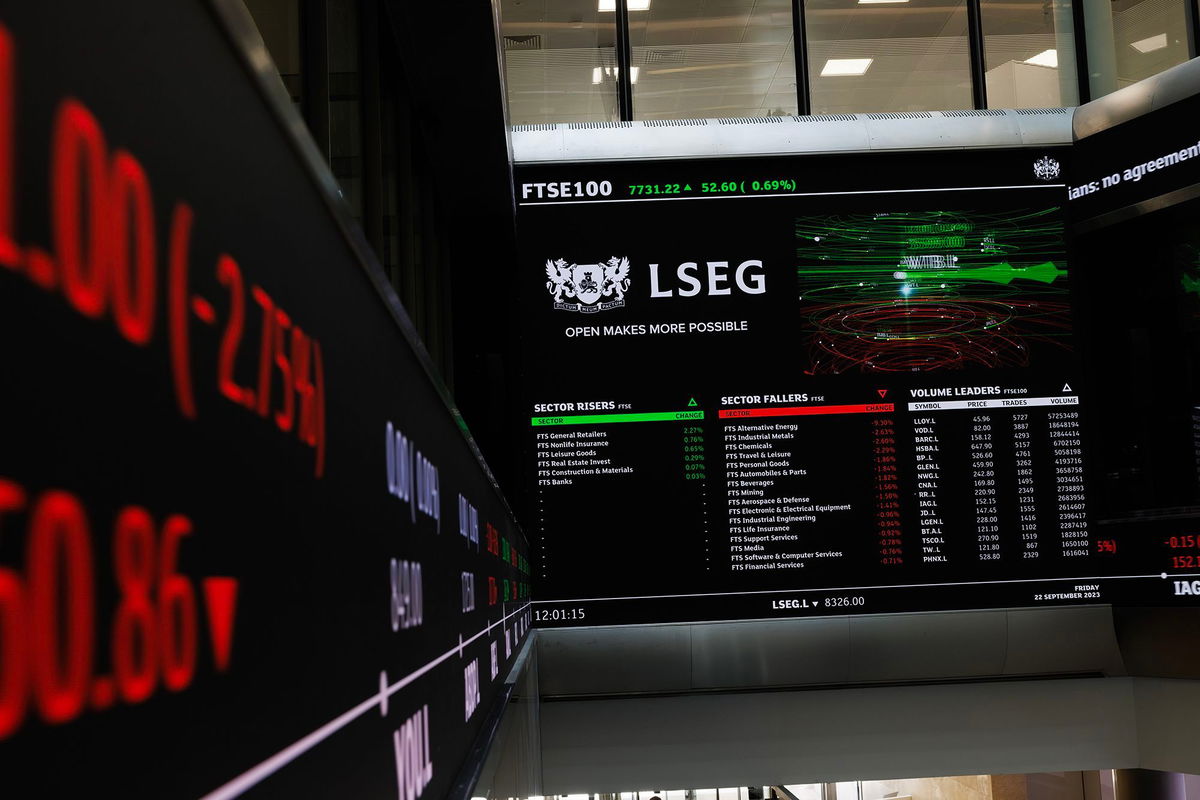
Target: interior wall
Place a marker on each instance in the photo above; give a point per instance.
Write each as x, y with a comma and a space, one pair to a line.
1166, 719
881, 733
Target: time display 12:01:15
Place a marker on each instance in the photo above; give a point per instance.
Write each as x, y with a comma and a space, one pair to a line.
559, 615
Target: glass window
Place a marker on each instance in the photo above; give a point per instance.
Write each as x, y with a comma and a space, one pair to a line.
390, 122
1128, 40
560, 60
345, 103
711, 58
887, 55
1029, 53
278, 23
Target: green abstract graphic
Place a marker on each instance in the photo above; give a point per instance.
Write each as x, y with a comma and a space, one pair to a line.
929, 290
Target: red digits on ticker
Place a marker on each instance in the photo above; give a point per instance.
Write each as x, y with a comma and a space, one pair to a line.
230, 277
59, 535
134, 270
264, 354
176, 608
14, 665
104, 261
134, 645
286, 415
48, 614
79, 181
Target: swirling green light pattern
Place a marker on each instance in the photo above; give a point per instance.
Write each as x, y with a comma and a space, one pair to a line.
932, 290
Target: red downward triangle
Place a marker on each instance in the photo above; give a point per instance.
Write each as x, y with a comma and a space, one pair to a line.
220, 595
882, 392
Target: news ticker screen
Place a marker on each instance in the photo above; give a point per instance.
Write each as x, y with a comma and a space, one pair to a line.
245, 547
1133, 209
1136, 167
797, 386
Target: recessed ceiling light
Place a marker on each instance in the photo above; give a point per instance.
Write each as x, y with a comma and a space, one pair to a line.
1150, 44
836, 67
634, 5
1046, 58
879, 2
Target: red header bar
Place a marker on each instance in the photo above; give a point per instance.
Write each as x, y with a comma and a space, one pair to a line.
806, 411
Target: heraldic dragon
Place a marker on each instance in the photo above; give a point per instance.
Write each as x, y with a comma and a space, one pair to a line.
563, 279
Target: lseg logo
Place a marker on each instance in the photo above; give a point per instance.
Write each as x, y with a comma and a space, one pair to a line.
588, 284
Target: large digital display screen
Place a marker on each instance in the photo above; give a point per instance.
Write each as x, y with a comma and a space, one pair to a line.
1140, 165
812, 385
245, 545
1133, 210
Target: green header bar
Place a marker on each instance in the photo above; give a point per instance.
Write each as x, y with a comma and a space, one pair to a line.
592, 419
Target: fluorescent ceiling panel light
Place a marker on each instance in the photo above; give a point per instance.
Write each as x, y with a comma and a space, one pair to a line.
836, 67
1046, 58
599, 73
634, 5
878, 2
1151, 44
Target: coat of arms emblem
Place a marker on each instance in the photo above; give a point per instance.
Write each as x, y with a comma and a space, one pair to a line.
1046, 168
588, 284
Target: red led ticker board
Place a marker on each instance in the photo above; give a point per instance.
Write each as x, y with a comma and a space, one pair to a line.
244, 544
106, 264
153, 635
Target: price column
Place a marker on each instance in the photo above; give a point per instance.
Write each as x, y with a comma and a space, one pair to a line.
983, 485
